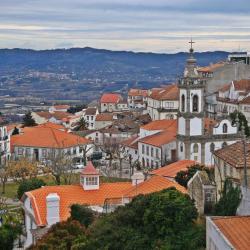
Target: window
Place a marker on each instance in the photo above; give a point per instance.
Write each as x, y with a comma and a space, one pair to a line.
147, 150
74, 151
27, 152
152, 164
212, 147
91, 181
157, 153
224, 128
135, 152
195, 103
20, 151
92, 117
156, 164
224, 144
44, 152
182, 103
147, 162
152, 152
143, 162
195, 148
143, 148
181, 147
87, 117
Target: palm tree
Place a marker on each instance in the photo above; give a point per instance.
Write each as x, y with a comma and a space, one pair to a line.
81, 125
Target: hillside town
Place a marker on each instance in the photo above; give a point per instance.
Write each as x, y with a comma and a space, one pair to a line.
191, 136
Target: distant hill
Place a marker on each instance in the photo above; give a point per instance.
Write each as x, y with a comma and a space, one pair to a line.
100, 62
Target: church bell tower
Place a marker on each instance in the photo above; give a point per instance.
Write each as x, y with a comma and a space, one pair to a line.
191, 111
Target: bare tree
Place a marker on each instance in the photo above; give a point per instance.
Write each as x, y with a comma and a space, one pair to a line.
3, 176
60, 165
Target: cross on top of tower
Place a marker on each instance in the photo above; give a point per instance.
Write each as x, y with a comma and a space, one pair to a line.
191, 48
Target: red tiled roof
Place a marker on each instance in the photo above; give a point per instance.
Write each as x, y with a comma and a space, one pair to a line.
234, 154
59, 115
131, 142
159, 139
172, 169
170, 92
47, 137
236, 229
89, 170
170, 125
246, 100
110, 98
138, 92
154, 184
104, 117
72, 194
90, 111
51, 125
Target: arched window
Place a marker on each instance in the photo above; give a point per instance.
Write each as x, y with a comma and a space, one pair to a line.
182, 103
195, 103
212, 147
224, 144
195, 148
224, 128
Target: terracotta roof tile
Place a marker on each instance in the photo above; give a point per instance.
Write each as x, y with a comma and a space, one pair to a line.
236, 229
131, 142
90, 111
138, 92
47, 137
51, 125
89, 170
154, 184
246, 100
233, 154
59, 115
110, 98
172, 169
61, 106
104, 117
170, 92
170, 125
72, 194
159, 138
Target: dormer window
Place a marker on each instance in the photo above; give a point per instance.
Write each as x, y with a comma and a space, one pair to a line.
89, 178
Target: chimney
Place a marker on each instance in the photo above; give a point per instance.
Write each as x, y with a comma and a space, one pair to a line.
137, 178
53, 208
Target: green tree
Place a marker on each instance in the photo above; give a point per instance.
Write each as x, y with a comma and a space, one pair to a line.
83, 214
28, 185
162, 220
229, 201
8, 233
183, 177
242, 121
28, 120
66, 235
81, 125
15, 131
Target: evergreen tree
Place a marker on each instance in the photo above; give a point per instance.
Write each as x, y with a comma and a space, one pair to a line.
242, 121
15, 131
28, 120
229, 201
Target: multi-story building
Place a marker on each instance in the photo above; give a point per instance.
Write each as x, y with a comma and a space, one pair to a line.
48, 205
227, 233
40, 143
4, 144
198, 136
90, 117
234, 96
109, 102
137, 98
163, 103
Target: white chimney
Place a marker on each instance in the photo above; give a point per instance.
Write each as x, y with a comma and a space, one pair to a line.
53, 208
137, 178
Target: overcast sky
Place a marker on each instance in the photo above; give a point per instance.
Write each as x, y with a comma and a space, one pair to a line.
138, 25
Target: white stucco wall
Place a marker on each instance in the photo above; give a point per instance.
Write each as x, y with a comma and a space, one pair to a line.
219, 129
196, 126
